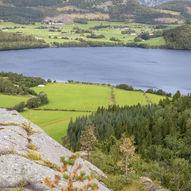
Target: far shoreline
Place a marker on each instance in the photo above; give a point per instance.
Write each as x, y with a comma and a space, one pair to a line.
142, 46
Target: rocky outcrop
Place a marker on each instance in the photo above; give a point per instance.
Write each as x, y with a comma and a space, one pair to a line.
150, 185
28, 154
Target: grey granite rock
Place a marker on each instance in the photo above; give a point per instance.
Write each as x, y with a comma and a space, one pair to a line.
14, 148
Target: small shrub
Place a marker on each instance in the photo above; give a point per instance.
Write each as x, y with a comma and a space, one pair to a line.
33, 102
19, 107
117, 183
43, 98
74, 175
125, 87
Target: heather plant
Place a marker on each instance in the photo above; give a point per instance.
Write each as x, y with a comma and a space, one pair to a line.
72, 174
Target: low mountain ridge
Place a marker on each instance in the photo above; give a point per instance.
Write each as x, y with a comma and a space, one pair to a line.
24, 11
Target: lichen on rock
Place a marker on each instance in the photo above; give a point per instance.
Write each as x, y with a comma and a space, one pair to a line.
28, 154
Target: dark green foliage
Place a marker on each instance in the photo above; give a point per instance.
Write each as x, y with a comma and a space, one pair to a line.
80, 31
85, 43
37, 101
117, 182
128, 31
81, 21
18, 84
178, 38
49, 80
19, 107
124, 87
92, 35
145, 35
21, 80
101, 26
121, 11
33, 102
141, 13
159, 92
114, 39
138, 39
16, 41
43, 98
162, 134
20, 14
7, 87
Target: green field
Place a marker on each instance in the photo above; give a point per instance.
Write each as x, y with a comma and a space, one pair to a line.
130, 98
8, 101
54, 123
75, 96
154, 98
159, 41
67, 32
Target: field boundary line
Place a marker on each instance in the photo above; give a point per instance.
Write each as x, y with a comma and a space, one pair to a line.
112, 97
147, 99
71, 110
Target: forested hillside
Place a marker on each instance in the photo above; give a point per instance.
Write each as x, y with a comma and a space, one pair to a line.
181, 7
160, 133
178, 38
30, 11
16, 41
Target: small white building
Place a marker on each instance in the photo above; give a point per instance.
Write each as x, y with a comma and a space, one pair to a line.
41, 85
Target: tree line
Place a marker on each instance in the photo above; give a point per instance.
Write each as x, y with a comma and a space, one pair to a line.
161, 135
10, 41
18, 84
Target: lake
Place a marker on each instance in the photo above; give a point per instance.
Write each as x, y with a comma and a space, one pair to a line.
141, 68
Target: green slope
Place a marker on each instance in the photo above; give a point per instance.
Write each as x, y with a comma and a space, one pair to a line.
75, 96
7, 101
54, 123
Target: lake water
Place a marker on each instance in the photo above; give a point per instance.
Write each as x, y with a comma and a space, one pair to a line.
141, 68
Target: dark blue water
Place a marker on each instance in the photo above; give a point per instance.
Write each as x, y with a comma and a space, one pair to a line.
141, 68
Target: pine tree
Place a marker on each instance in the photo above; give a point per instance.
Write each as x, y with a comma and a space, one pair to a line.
128, 150
88, 140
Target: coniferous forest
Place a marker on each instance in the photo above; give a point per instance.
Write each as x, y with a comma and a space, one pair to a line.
161, 135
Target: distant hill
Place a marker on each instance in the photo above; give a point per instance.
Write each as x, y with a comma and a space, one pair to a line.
182, 7
30, 11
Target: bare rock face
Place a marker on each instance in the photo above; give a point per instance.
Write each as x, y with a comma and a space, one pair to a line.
28, 155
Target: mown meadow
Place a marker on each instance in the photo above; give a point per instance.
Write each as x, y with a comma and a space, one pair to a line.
75, 96
69, 101
8, 101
